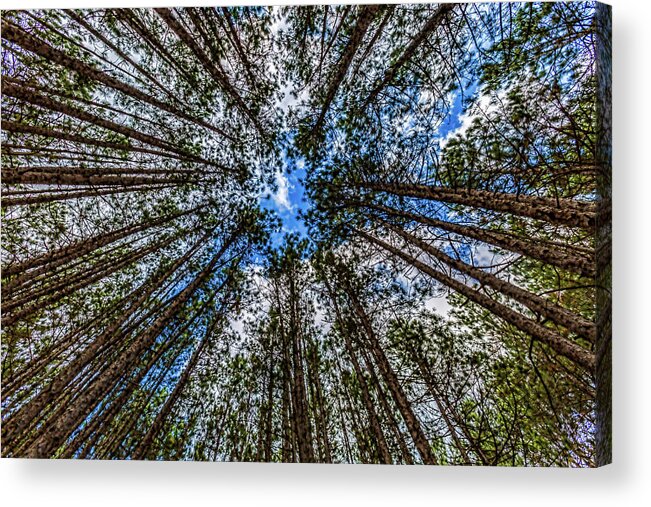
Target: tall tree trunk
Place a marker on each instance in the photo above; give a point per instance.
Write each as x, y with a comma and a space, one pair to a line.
399, 396
557, 314
58, 430
32, 304
561, 211
289, 422
571, 258
52, 259
321, 412
104, 170
67, 196
144, 447
14, 177
37, 46
421, 363
304, 434
384, 455
129, 19
19, 422
73, 15
389, 413
22, 128
555, 341
434, 21
237, 44
30, 96
218, 76
98, 428
268, 434
366, 15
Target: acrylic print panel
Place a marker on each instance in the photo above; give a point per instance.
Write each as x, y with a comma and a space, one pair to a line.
336, 234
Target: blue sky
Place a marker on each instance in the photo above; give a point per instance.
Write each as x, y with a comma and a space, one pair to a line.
289, 199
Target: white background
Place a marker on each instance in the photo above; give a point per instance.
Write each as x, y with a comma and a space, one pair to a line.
627, 482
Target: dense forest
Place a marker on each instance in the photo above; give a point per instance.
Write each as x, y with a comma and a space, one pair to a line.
440, 296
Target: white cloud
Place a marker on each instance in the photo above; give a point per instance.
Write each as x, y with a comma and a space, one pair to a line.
281, 196
280, 22
439, 304
237, 325
291, 98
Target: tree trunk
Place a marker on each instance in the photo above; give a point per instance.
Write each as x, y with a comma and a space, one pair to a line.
19, 422
21, 128
218, 76
399, 396
555, 341
389, 413
571, 258
58, 431
31, 43
30, 96
99, 427
384, 455
237, 44
55, 258
304, 434
561, 211
365, 17
30, 305
120, 53
144, 447
66, 196
557, 314
434, 21
13, 177
417, 357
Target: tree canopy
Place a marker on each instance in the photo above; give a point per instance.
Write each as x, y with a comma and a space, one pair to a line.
445, 300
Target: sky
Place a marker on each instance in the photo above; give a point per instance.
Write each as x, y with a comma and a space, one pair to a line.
289, 200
